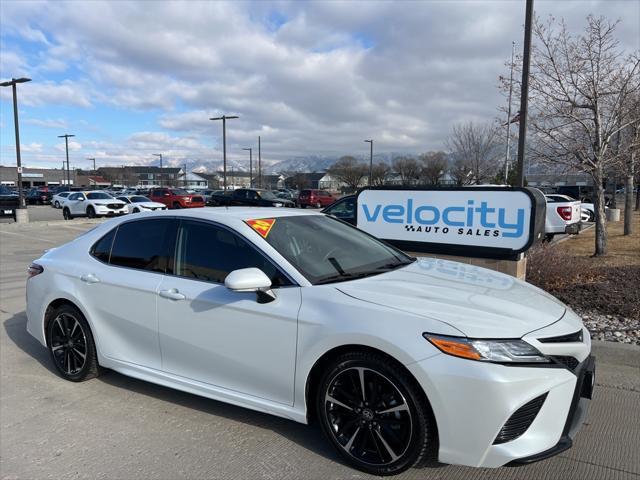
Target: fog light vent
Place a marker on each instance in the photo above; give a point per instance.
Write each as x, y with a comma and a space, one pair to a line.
520, 421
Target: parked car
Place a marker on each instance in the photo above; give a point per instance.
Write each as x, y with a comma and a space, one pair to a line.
9, 202
176, 198
315, 198
92, 204
344, 209
252, 197
563, 216
140, 203
301, 316
38, 196
58, 199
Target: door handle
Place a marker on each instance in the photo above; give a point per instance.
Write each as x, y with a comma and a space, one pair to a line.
89, 278
172, 294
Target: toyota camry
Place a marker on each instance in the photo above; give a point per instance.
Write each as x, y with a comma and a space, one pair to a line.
400, 360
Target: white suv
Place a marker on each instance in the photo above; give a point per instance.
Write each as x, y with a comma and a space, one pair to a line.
92, 204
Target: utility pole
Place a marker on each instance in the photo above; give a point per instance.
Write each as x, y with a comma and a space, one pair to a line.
370, 142
224, 119
66, 137
21, 216
506, 156
159, 155
524, 94
184, 167
250, 166
94, 164
259, 165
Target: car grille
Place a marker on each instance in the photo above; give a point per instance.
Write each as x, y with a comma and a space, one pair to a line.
197, 199
114, 206
520, 421
569, 338
568, 362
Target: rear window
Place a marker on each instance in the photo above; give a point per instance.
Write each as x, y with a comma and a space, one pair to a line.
143, 245
102, 248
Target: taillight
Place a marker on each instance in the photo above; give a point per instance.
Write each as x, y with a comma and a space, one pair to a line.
564, 212
34, 269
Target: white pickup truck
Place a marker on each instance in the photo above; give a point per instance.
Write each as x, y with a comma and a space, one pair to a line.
563, 215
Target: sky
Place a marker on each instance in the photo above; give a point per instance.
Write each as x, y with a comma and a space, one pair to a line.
130, 79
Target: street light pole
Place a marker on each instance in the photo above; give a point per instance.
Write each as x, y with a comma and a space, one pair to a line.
159, 155
12, 84
370, 142
224, 119
250, 166
66, 145
259, 165
524, 94
94, 164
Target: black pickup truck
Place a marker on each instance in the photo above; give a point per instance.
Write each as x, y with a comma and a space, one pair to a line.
248, 197
8, 202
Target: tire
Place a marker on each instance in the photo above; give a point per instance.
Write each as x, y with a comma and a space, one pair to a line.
303, 206
68, 339
592, 217
135, 210
91, 213
318, 205
66, 214
371, 441
176, 206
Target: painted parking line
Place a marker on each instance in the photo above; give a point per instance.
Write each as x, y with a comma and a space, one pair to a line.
30, 237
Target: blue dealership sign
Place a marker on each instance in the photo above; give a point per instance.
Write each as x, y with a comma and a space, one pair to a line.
494, 222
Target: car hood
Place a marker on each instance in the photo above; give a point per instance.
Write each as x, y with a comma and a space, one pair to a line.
478, 302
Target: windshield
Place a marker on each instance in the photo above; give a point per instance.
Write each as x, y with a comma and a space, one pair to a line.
179, 191
267, 195
326, 250
99, 196
140, 199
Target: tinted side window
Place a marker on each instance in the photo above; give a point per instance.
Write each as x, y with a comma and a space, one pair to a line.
102, 248
209, 253
144, 245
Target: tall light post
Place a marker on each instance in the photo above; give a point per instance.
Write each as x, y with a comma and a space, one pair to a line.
259, 164
159, 155
524, 93
92, 159
250, 166
370, 142
14, 81
66, 145
224, 119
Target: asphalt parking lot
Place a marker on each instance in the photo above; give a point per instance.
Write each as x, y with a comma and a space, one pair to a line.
117, 427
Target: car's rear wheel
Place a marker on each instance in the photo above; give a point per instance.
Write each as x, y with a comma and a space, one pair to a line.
374, 413
66, 214
318, 205
56, 204
91, 213
136, 210
71, 344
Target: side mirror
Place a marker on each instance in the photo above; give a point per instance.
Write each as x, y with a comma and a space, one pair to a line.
250, 280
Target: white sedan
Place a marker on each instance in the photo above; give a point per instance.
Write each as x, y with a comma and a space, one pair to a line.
300, 315
140, 203
92, 204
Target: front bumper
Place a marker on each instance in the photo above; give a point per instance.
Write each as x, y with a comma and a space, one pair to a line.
108, 212
472, 401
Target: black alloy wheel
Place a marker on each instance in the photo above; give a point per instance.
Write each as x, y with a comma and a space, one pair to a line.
66, 214
91, 213
71, 345
374, 414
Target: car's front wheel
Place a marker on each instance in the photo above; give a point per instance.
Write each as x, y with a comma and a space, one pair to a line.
374, 413
66, 214
71, 344
91, 213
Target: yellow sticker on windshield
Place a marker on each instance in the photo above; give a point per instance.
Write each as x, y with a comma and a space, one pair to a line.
262, 226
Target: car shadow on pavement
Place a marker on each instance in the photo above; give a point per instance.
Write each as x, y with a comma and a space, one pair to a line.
307, 436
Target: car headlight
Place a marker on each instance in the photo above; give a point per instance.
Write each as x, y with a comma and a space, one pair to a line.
497, 351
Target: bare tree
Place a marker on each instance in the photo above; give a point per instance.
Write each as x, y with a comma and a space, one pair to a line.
461, 172
379, 173
628, 145
577, 89
476, 146
407, 168
434, 166
349, 171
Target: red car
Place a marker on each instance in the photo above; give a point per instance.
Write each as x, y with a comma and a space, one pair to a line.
176, 198
315, 198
